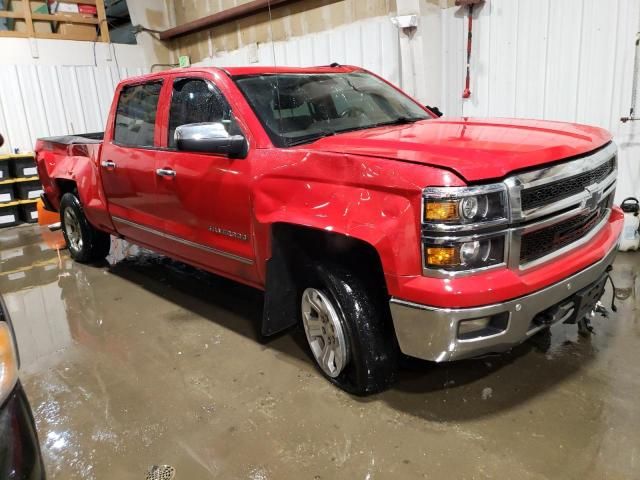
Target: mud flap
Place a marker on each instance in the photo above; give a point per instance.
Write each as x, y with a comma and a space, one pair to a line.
281, 292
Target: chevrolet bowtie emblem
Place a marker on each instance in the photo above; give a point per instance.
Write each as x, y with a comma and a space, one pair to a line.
594, 200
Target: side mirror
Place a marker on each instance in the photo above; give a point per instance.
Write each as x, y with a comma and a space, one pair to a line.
210, 138
1, 140
435, 110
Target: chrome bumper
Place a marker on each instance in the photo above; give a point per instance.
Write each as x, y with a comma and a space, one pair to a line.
432, 333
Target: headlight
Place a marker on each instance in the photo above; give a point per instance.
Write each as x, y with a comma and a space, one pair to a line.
452, 216
464, 254
451, 206
8, 362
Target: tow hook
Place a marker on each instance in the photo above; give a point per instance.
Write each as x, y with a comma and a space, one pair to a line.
584, 325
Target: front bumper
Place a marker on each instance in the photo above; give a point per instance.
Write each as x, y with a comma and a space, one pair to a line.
20, 456
432, 333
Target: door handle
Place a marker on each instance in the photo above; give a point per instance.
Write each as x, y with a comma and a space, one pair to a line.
108, 164
165, 172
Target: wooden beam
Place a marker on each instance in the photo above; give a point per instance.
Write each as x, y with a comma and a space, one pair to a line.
5, 14
65, 36
102, 21
26, 5
12, 34
65, 18
234, 13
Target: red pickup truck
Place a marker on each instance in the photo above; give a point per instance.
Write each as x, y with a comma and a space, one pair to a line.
379, 227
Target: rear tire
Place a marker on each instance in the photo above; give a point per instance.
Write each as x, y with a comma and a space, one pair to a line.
85, 243
349, 331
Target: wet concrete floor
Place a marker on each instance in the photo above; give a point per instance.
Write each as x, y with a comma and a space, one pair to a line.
142, 361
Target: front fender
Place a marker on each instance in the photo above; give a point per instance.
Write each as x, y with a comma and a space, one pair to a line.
376, 201
385, 221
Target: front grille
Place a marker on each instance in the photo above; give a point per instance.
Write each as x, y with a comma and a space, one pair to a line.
555, 191
542, 242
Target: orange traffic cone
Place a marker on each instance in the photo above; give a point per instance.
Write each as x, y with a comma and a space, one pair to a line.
54, 240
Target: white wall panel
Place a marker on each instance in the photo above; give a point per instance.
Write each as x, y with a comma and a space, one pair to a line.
529, 78
66, 88
372, 44
16, 125
454, 61
569, 60
39, 101
52, 104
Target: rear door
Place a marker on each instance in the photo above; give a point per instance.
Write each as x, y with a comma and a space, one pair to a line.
128, 164
206, 202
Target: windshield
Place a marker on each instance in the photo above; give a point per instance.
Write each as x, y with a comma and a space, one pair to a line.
300, 108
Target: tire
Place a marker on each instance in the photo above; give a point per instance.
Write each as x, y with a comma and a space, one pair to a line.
366, 361
85, 243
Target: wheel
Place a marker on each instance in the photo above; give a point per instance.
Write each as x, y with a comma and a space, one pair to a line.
349, 332
85, 243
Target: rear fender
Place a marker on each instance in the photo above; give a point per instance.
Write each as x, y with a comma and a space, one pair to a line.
79, 164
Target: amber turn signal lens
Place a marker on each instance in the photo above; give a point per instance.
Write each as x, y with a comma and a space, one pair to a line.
443, 256
445, 210
8, 362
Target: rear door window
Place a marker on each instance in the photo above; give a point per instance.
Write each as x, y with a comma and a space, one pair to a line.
136, 115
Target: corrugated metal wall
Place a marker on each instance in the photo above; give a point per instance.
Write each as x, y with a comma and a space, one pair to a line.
295, 19
43, 100
371, 43
569, 60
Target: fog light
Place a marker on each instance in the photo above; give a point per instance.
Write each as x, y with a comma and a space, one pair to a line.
469, 326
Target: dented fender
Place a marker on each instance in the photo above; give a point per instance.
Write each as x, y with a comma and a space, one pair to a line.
374, 200
80, 164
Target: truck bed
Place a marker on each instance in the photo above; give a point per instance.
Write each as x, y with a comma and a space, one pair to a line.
63, 159
82, 138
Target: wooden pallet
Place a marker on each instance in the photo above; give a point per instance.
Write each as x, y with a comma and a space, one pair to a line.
74, 18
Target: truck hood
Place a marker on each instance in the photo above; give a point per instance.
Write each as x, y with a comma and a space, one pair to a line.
476, 149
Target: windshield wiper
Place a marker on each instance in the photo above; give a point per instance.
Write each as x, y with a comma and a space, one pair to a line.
398, 121
318, 134
312, 137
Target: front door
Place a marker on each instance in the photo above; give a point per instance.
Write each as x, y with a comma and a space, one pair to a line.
205, 198
128, 164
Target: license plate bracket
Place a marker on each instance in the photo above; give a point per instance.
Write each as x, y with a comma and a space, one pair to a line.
587, 298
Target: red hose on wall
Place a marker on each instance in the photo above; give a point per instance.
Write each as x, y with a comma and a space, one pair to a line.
470, 3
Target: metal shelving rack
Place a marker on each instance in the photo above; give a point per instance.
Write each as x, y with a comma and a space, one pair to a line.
15, 202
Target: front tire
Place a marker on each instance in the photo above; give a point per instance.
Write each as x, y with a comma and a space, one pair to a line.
348, 331
85, 243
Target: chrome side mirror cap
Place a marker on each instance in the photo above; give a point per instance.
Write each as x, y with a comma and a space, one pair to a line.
210, 137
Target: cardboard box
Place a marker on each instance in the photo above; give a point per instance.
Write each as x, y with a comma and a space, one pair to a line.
79, 30
62, 7
20, 25
88, 10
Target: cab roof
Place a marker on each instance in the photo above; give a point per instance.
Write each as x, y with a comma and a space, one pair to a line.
241, 71
247, 71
